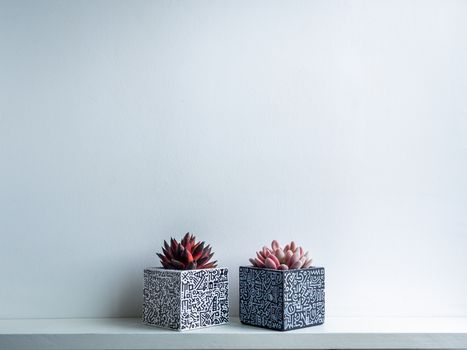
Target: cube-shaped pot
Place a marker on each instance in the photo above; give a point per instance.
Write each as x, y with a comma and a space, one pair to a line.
282, 299
185, 299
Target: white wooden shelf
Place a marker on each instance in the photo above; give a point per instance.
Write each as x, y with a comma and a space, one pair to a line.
336, 333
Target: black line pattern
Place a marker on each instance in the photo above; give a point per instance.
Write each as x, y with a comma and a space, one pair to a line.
190, 299
303, 298
282, 300
161, 298
261, 297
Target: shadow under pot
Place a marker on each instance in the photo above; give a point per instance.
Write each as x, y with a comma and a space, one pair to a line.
282, 299
185, 299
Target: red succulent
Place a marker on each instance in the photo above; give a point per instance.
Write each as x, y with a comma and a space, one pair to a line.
186, 255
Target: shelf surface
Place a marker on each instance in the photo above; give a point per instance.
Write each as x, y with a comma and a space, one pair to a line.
336, 333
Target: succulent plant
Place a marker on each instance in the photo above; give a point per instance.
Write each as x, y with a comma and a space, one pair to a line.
290, 257
186, 255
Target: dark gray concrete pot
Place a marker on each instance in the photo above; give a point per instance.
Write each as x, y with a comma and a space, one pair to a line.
282, 300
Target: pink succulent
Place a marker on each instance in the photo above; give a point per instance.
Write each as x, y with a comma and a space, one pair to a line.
290, 257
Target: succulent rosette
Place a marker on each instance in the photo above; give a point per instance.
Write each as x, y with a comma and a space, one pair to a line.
188, 254
290, 257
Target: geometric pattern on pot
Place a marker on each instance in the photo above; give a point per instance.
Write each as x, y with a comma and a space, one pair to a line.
303, 298
186, 299
261, 297
161, 298
282, 299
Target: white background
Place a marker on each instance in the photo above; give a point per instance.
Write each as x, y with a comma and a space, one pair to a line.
339, 124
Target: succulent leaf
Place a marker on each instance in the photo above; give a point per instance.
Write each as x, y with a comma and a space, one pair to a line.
307, 263
275, 245
280, 255
260, 257
186, 255
288, 255
276, 261
293, 247
259, 263
291, 256
198, 251
296, 265
270, 264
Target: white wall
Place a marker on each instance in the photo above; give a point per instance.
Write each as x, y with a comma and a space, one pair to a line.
340, 124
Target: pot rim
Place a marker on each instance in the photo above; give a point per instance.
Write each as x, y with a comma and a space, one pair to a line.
160, 268
291, 270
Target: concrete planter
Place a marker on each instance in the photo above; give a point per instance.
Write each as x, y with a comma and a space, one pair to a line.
282, 300
186, 299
